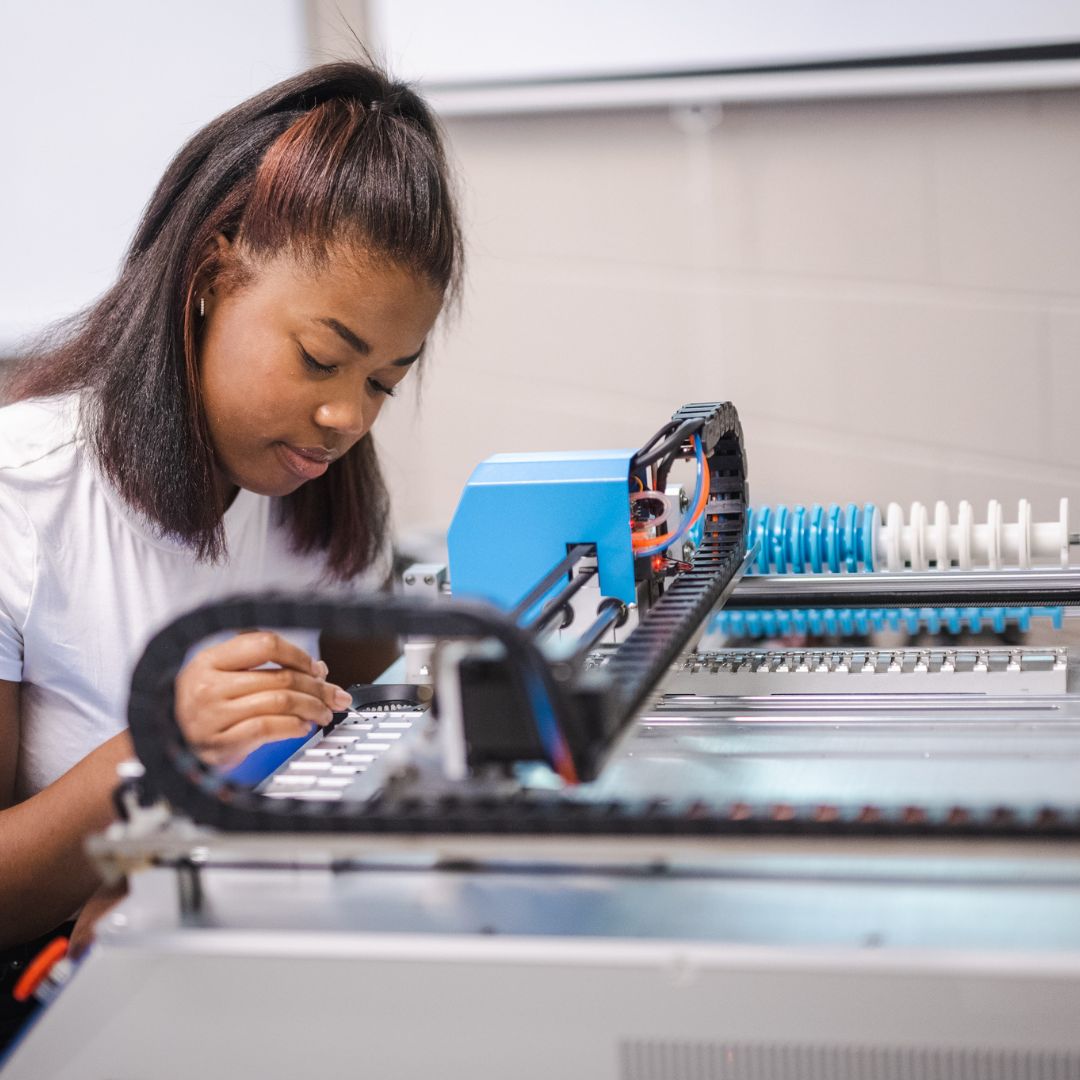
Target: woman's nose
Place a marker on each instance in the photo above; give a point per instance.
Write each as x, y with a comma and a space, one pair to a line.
346, 416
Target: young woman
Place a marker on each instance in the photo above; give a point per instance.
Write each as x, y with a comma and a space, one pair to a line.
204, 429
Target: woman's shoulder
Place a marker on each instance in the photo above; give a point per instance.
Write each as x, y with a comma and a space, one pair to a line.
38, 435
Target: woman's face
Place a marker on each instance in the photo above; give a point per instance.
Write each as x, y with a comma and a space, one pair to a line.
297, 362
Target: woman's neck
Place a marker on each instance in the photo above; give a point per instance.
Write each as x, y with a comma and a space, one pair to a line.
227, 490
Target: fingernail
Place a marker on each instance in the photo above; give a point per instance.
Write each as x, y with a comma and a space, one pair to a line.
342, 699
315, 666
323, 669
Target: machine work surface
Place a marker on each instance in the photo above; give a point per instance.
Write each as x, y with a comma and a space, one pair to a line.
883, 902
810, 727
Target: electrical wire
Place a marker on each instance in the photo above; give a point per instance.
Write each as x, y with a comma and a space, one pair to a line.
542, 706
547, 727
697, 507
670, 426
668, 448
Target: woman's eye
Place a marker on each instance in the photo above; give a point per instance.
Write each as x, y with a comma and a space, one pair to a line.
313, 365
381, 388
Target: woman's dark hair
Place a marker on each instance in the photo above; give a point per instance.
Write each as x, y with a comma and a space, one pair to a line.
339, 154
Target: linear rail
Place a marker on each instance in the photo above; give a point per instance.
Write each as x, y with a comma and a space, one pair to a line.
946, 588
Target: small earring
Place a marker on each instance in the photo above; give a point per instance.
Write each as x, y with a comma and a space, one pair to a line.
202, 307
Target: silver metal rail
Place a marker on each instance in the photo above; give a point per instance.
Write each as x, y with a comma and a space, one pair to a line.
1049, 586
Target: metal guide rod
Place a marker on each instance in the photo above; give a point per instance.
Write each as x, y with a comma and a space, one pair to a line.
937, 588
556, 574
611, 611
557, 605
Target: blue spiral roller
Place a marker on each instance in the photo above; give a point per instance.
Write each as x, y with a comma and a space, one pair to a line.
862, 621
815, 540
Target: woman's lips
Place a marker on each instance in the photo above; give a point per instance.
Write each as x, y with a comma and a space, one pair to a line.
305, 464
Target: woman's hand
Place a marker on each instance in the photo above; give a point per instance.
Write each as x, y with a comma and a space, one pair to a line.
226, 708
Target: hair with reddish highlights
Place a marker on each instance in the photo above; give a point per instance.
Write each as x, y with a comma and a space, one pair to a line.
338, 155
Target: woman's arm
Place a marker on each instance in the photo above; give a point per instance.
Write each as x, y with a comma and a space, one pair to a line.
227, 704
44, 874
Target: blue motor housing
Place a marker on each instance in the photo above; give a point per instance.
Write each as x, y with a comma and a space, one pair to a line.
520, 513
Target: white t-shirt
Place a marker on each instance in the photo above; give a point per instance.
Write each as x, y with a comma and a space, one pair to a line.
85, 583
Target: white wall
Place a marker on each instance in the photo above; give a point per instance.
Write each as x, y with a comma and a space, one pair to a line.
97, 98
889, 291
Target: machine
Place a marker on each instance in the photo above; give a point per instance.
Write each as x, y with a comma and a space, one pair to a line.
580, 831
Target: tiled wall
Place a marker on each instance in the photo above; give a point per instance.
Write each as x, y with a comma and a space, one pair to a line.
888, 290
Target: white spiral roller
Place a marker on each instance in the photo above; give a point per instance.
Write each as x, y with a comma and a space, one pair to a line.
995, 543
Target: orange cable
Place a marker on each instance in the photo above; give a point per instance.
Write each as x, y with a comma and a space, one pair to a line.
640, 541
38, 968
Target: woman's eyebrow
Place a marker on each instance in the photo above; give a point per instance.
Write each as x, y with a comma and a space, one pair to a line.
353, 340
357, 343
405, 361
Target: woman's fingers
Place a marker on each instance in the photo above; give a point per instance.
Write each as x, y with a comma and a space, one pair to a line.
274, 703
255, 648
228, 702
241, 684
217, 709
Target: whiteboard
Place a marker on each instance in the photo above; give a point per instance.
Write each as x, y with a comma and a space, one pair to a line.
477, 56
478, 41
97, 98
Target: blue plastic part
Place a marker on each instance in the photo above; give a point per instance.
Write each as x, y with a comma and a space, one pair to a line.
817, 515
832, 539
850, 621
519, 512
761, 536
851, 539
815, 540
796, 533
261, 762
778, 540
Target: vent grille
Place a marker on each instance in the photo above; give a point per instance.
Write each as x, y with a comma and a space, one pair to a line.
670, 1060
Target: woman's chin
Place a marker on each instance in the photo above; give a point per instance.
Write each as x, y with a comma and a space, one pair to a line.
274, 487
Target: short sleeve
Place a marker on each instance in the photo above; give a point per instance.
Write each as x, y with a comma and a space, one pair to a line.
18, 562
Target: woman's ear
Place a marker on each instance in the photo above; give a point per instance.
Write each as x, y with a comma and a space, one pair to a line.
222, 252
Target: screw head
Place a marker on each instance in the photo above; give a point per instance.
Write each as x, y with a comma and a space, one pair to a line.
410, 579
428, 579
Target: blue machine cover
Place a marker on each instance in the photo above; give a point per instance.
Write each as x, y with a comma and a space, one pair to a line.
519, 513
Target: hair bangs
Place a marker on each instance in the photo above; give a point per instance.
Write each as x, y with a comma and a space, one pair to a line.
365, 175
